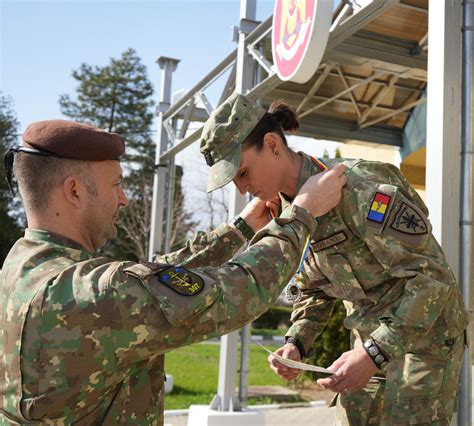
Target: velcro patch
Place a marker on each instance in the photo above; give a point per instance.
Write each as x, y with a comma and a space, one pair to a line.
329, 241
409, 221
378, 207
181, 280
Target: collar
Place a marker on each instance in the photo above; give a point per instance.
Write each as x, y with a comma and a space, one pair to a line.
56, 239
309, 167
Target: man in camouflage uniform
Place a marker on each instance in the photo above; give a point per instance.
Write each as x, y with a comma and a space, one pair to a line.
376, 252
81, 336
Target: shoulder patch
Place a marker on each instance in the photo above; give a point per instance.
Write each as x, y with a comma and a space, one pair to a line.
181, 280
409, 221
330, 241
378, 207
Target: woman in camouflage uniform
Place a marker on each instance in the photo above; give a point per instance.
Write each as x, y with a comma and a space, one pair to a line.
375, 251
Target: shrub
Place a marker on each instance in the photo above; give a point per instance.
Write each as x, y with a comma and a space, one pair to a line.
333, 341
275, 317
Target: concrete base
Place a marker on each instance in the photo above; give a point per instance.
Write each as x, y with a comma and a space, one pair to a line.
169, 383
202, 415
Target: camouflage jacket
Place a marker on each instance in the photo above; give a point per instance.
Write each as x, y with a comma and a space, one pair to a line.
81, 336
376, 252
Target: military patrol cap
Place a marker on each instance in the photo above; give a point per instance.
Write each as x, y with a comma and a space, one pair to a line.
66, 139
223, 135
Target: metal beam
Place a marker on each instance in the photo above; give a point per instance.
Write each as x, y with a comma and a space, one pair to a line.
186, 119
353, 24
261, 89
294, 98
399, 86
207, 105
229, 85
405, 107
180, 145
412, 7
209, 78
386, 49
375, 75
316, 86
378, 98
340, 15
345, 130
260, 58
351, 95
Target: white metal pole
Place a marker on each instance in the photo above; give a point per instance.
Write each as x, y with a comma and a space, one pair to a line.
443, 139
229, 343
168, 66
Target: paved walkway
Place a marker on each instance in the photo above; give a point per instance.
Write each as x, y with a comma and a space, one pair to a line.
300, 416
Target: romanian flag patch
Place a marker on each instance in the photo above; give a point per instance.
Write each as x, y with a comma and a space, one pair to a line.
378, 207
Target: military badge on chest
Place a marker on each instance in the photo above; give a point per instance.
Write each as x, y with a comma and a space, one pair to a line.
292, 292
181, 280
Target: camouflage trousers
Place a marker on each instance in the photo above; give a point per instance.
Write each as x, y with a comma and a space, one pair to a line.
420, 389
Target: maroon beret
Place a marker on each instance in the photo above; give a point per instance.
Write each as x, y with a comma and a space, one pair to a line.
78, 141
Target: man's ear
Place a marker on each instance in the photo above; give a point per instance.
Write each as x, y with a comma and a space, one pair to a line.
270, 141
73, 191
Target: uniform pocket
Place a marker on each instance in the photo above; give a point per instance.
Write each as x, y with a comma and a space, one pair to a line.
345, 278
424, 409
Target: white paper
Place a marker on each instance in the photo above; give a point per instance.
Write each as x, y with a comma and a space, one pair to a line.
301, 365
295, 364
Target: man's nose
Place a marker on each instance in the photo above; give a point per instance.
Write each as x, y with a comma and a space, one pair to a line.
123, 200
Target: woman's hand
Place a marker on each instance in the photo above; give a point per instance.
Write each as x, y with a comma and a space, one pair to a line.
257, 212
289, 351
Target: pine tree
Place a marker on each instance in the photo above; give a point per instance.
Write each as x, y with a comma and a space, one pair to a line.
11, 214
118, 97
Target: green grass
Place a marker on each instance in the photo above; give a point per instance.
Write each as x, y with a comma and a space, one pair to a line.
195, 371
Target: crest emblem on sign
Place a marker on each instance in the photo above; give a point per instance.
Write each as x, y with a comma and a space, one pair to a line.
409, 221
181, 281
299, 36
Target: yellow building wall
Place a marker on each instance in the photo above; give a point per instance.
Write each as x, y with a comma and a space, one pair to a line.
412, 167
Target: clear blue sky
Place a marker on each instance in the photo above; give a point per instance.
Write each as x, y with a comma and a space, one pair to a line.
42, 42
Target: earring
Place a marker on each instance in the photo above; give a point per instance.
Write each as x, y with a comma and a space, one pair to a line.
276, 152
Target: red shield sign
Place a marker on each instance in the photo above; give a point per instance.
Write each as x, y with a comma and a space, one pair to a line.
299, 36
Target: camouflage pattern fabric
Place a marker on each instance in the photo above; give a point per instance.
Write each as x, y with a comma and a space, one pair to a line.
222, 137
81, 337
375, 251
418, 392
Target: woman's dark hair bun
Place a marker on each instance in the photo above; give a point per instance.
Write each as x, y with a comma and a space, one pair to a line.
284, 115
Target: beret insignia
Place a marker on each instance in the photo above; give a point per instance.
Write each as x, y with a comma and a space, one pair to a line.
181, 280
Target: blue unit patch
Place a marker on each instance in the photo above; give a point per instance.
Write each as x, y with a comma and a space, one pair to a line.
181, 280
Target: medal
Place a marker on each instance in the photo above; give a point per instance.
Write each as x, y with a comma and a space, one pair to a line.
293, 292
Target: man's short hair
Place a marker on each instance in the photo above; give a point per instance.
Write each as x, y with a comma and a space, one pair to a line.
38, 176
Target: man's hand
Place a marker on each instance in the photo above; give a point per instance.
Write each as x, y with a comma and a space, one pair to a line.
289, 351
352, 371
322, 192
257, 212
